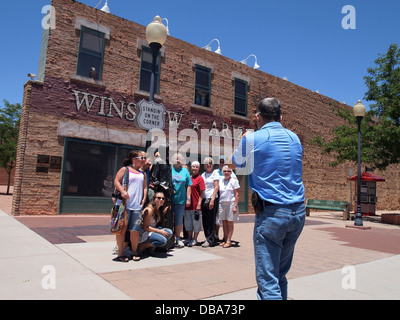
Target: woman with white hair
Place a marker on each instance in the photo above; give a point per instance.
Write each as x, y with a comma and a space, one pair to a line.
182, 182
209, 205
193, 210
228, 204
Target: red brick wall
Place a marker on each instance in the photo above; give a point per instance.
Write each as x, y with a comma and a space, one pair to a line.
4, 177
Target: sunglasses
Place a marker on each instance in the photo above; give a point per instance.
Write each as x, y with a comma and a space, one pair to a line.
226, 171
160, 198
141, 158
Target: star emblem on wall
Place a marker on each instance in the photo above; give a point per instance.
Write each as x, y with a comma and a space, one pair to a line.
196, 124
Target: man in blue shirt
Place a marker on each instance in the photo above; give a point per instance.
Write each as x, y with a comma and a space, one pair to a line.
273, 157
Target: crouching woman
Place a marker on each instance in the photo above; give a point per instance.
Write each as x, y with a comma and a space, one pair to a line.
152, 236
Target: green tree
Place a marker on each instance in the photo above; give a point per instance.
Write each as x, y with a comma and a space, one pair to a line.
380, 129
10, 115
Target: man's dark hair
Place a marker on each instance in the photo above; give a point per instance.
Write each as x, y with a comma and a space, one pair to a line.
269, 109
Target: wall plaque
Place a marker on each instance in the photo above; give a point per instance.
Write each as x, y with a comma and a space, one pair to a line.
55, 163
43, 159
42, 169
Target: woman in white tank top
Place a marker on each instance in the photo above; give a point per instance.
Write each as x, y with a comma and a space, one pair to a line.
136, 185
135, 198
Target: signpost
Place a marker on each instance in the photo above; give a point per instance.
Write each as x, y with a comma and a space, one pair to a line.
151, 115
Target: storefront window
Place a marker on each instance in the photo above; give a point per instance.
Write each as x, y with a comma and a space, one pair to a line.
243, 194
88, 175
89, 169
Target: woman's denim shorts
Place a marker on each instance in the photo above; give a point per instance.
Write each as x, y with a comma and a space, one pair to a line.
134, 220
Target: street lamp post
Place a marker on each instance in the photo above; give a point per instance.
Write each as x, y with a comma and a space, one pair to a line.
156, 35
359, 113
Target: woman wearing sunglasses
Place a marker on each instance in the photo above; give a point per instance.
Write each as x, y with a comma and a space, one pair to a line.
228, 204
135, 197
152, 235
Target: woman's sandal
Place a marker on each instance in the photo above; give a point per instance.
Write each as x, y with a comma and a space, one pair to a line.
227, 244
121, 259
136, 257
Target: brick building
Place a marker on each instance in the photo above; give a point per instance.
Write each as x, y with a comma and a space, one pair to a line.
76, 130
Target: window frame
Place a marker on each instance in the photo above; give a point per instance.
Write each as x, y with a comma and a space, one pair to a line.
199, 68
243, 98
89, 52
158, 70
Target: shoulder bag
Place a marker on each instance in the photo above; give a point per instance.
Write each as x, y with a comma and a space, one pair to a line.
119, 219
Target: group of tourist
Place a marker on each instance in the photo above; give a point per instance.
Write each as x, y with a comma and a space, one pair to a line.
275, 155
164, 201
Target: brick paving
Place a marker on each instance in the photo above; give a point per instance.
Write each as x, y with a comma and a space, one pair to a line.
67, 229
325, 244
384, 240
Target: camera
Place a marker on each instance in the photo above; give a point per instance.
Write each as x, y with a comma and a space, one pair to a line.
117, 195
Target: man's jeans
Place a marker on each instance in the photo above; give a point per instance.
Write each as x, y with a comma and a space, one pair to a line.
276, 231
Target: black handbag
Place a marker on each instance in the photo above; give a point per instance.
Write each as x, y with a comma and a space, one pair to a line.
206, 203
117, 194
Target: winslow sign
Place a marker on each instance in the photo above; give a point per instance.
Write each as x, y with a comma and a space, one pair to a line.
147, 115
105, 107
151, 114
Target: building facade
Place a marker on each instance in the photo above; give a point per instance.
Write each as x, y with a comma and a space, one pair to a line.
85, 113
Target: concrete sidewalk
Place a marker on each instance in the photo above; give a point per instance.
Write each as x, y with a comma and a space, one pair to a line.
377, 280
78, 250
28, 263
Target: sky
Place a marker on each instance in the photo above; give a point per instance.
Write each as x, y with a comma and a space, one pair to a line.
304, 41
